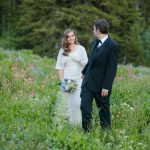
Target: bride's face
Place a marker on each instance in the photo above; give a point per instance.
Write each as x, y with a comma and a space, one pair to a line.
71, 38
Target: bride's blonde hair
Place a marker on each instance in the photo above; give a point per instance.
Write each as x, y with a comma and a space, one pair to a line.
65, 44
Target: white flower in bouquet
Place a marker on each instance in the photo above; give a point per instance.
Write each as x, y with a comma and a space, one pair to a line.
68, 85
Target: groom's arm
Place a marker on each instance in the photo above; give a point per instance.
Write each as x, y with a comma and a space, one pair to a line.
111, 68
85, 68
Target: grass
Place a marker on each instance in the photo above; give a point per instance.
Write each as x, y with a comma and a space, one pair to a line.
30, 103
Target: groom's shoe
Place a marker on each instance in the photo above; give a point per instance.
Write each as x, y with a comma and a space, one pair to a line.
86, 127
106, 127
87, 130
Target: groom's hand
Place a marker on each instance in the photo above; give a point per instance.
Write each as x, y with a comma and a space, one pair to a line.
104, 93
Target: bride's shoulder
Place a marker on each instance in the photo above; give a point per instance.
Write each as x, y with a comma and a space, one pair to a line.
81, 47
61, 50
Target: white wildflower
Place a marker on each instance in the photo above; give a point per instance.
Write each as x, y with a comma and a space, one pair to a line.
131, 108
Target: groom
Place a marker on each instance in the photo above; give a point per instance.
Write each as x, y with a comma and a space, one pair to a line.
98, 76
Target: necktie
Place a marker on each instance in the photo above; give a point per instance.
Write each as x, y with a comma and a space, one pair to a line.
100, 41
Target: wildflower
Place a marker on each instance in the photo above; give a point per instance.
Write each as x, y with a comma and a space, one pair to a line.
131, 108
125, 104
32, 94
122, 132
140, 143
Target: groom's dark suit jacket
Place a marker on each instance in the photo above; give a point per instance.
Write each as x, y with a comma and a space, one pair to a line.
101, 68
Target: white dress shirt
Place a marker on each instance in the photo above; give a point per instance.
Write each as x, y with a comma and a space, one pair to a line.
103, 40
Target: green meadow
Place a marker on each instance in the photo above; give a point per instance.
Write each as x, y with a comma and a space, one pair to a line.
30, 118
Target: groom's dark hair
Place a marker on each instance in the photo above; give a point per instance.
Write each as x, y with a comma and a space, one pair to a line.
102, 25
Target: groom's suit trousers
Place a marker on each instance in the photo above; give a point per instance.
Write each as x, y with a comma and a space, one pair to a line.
86, 107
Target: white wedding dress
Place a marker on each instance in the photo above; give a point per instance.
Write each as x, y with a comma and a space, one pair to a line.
73, 65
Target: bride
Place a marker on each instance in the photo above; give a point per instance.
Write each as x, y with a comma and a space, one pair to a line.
71, 59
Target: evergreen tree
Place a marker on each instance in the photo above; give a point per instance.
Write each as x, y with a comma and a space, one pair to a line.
8, 16
145, 34
39, 24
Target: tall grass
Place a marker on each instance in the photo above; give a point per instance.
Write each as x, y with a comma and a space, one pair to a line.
31, 114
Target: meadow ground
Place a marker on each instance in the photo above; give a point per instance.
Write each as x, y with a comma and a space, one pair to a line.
29, 99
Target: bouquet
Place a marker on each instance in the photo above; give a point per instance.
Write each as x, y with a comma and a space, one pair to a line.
68, 85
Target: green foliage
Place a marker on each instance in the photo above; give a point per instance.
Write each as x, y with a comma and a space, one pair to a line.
31, 119
8, 16
146, 45
39, 25
36, 29
25, 98
145, 6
